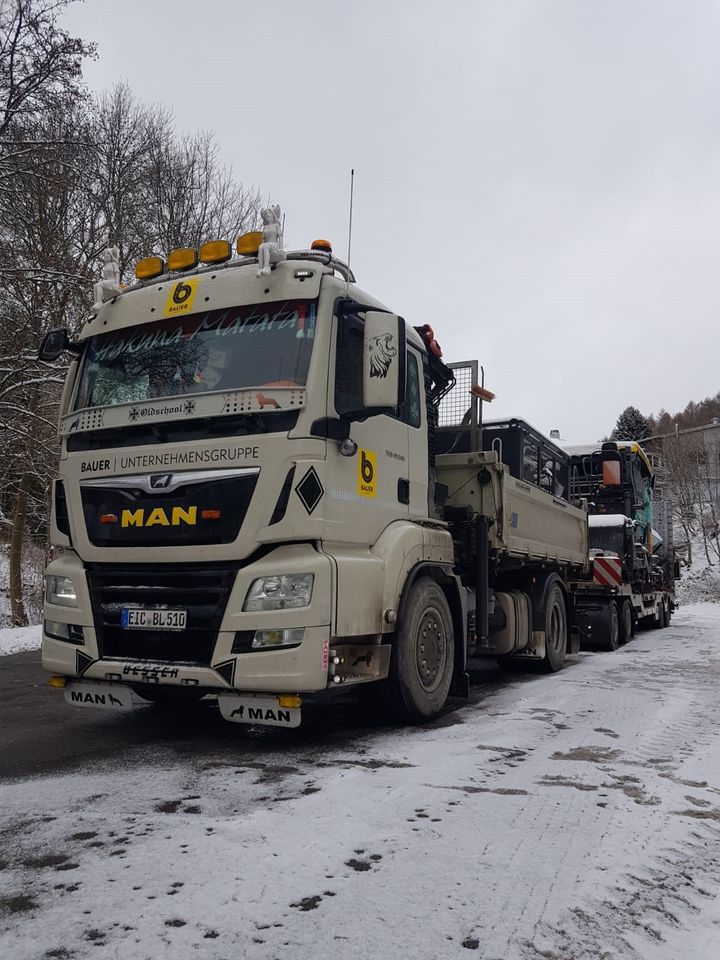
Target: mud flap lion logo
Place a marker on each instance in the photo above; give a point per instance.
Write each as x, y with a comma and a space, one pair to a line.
382, 352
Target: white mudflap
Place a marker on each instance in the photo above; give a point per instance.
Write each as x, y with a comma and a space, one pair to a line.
111, 696
248, 708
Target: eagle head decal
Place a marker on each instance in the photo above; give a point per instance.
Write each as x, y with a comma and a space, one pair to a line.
381, 353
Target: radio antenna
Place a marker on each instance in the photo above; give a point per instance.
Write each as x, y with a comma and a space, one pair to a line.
352, 187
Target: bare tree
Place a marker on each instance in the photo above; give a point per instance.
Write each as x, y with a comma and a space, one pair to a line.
102, 172
40, 71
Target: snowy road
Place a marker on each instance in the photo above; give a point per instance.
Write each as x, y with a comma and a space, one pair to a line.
563, 817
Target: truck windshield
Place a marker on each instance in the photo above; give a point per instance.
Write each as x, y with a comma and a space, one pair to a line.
265, 345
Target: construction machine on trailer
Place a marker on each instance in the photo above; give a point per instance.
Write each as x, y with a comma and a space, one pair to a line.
632, 567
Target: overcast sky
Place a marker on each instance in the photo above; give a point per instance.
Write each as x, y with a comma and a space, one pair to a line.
537, 179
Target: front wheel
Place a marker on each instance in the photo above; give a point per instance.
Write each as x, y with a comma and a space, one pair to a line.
556, 630
423, 654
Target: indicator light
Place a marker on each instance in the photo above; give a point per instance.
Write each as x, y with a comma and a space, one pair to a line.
57, 681
108, 518
210, 515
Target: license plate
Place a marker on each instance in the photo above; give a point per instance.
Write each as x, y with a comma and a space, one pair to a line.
246, 708
111, 696
134, 618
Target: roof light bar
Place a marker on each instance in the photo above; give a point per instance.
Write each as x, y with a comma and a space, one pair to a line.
247, 245
215, 251
184, 258
149, 267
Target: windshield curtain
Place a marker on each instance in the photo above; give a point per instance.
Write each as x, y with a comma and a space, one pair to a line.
257, 345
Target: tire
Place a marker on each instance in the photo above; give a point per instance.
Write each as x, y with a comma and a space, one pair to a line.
556, 630
626, 621
168, 698
665, 614
657, 620
609, 637
423, 654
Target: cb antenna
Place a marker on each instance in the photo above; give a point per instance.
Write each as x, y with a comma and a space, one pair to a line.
352, 188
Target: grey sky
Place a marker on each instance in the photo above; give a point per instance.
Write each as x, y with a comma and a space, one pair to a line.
538, 179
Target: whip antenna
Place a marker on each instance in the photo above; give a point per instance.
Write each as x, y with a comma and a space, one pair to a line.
352, 187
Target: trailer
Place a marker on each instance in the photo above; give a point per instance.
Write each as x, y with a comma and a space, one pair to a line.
632, 571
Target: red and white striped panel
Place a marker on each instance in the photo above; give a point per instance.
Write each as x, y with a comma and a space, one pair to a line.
607, 571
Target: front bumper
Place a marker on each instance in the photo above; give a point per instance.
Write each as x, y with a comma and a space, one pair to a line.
104, 655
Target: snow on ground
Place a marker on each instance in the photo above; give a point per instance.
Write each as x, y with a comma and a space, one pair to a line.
15, 639
566, 816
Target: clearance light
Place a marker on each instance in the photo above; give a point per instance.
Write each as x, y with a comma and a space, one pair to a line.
321, 245
210, 515
215, 251
247, 245
149, 267
184, 258
289, 700
57, 681
108, 518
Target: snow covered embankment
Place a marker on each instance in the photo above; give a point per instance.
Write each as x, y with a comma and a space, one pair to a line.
17, 639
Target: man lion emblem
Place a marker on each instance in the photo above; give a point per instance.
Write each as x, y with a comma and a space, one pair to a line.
381, 353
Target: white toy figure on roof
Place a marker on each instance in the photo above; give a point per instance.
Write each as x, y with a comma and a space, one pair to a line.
109, 286
271, 249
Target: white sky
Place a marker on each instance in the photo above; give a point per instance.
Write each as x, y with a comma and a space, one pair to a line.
538, 179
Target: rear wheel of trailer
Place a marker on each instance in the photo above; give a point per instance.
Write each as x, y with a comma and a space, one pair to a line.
626, 621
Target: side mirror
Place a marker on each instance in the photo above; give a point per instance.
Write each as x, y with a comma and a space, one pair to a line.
383, 361
56, 342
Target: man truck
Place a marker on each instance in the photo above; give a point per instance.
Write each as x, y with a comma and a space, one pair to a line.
272, 487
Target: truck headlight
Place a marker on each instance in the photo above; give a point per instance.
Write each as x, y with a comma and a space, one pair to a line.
280, 593
61, 590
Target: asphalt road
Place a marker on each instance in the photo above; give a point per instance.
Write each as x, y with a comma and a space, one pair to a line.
42, 734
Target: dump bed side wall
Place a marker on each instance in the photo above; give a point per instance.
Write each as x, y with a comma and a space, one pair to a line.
528, 523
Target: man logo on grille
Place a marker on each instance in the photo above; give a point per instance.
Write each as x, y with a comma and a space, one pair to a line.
160, 481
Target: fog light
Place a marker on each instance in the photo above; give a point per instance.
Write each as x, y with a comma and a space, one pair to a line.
67, 632
277, 638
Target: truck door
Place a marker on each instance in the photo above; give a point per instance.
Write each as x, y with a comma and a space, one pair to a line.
370, 489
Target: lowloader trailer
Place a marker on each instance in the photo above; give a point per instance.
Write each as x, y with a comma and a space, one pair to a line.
631, 577
272, 487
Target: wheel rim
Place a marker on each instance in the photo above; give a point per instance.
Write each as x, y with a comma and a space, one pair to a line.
556, 637
431, 650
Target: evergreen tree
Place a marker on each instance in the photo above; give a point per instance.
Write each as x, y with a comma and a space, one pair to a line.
631, 425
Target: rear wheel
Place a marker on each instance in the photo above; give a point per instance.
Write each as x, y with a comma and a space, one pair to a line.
666, 613
423, 654
556, 629
608, 636
626, 621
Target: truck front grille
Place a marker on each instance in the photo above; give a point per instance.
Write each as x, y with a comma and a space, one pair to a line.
201, 589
